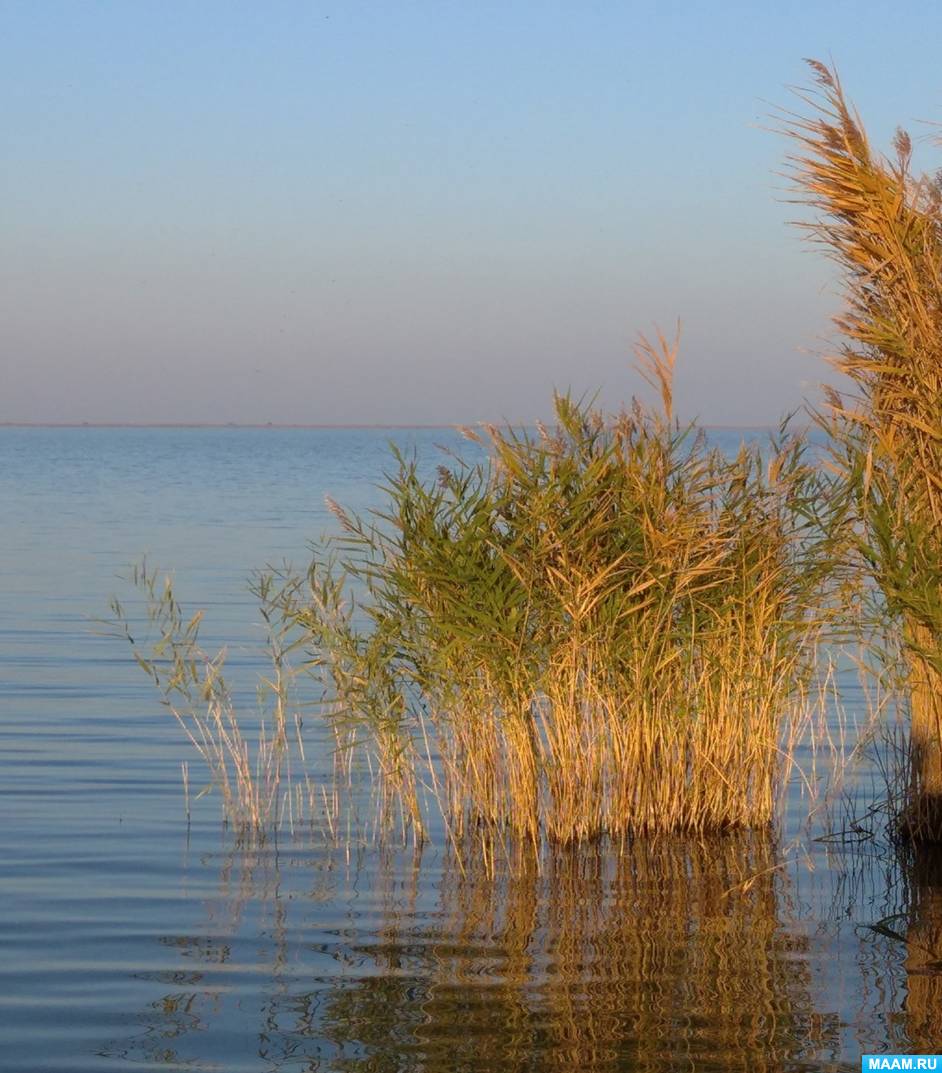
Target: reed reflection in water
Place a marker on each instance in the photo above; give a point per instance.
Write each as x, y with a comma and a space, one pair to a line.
923, 937
667, 956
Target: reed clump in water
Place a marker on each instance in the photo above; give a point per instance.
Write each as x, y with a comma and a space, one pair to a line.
609, 628
882, 224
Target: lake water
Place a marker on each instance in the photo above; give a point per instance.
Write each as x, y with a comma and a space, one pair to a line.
133, 941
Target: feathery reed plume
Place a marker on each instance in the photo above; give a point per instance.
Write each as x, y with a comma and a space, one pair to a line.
882, 224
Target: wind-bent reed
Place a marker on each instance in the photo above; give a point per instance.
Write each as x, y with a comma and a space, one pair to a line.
608, 629
882, 224
253, 780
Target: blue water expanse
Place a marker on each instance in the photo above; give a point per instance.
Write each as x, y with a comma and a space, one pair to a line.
132, 941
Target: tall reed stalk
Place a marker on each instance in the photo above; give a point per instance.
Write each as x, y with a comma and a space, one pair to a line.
882, 224
609, 628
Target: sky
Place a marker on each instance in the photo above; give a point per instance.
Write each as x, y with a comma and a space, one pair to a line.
419, 213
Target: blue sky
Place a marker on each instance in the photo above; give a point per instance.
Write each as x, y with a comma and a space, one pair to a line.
417, 212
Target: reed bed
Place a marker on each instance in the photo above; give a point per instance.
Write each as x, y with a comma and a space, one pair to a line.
882, 224
607, 629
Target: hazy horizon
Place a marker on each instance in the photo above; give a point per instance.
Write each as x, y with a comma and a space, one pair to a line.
417, 214
295, 425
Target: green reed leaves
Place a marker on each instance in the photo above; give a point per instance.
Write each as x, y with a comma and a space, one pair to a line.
608, 628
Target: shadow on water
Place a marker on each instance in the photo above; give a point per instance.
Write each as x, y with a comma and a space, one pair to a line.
669, 956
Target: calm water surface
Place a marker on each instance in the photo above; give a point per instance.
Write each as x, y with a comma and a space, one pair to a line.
132, 942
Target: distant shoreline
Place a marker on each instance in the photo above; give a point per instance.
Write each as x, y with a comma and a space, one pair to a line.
198, 424
273, 426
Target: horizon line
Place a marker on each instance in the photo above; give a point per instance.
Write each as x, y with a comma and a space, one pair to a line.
315, 425
211, 424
